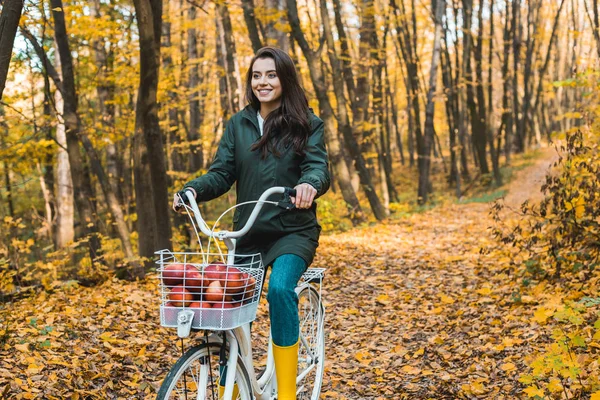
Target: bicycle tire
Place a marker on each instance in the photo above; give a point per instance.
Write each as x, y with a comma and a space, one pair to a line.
312, 319
168, 389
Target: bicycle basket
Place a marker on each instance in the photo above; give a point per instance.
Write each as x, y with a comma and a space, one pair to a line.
222, 296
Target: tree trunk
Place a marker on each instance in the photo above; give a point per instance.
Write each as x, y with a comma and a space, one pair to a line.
478, 128
194, 139
275, 9
251, 24
345, 51
151, 189
507, 121
228, 53
343, 120
517, 34
65, 212
334, 147
81, 185
425, 166
174, 159
9, 23
407, 44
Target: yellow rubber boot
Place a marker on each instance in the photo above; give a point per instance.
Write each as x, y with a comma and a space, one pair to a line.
286, 369
236, 391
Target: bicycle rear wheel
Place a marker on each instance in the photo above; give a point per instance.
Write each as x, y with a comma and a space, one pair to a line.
311, 353
197, 373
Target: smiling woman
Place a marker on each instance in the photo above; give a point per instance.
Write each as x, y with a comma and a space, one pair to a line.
275, 141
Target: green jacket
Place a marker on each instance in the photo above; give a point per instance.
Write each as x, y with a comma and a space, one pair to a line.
276, 231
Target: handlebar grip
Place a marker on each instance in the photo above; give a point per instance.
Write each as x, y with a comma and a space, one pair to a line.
290, 192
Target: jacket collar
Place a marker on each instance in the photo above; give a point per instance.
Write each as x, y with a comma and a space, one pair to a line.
250, 114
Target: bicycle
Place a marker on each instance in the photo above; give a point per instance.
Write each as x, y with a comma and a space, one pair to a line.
222, 365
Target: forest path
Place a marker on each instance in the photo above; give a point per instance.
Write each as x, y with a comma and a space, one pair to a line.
416, 312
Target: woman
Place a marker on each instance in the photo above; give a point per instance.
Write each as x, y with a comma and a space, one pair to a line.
275, 141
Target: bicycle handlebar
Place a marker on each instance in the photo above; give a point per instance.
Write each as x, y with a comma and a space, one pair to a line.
257, 208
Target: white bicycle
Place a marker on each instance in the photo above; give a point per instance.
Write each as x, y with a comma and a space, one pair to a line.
221, 365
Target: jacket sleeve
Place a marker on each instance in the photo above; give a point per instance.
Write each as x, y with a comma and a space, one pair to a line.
222, 173
315, 166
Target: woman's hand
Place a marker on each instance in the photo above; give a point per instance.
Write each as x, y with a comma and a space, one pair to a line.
177, 202
305, 194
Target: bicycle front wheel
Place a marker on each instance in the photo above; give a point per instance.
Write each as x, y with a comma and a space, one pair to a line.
197, 374
311, 354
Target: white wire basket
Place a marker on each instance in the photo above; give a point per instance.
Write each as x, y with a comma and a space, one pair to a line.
223, 291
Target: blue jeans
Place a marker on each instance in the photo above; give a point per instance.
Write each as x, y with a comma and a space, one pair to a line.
283, 301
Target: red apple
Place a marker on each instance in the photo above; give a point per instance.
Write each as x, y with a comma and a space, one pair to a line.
200, 304
249, 285
173, 274
194, 281
234, 281
180, 297
214, 292
236, 304
215, 271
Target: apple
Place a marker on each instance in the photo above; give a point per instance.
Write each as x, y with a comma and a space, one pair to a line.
194, 281
214, 292
180, 297
200, 304
250, 285
215, 271
173, 274
236, 304
234, 281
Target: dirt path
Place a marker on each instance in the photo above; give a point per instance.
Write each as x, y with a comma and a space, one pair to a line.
415, 312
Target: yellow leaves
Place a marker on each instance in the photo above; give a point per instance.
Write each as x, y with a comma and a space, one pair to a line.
485, 291
446, 299
22, 347
419, 352
595, 396
554, 385
508, 367
383, 299
409, 369
34, 368
542, 314
363, 357
533, 391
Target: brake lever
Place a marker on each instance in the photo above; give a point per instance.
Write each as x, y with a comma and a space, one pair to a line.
286, 202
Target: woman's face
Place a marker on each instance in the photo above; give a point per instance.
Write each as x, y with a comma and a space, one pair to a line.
265, 82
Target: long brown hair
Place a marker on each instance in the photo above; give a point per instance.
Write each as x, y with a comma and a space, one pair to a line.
288, 124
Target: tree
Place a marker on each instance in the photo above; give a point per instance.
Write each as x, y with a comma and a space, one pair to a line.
151, 187
9, 23
424, 183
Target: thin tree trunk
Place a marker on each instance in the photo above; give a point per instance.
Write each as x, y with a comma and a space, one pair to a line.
229, 55
275, 10
424, 171
251, 24
478, 128
517, 34
9, 23
196, 151
594, 22
342, 173
81, 185
494, 151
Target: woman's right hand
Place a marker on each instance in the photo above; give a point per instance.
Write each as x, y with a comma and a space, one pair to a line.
179, 197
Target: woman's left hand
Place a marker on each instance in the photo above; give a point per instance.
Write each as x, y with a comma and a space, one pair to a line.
305, 194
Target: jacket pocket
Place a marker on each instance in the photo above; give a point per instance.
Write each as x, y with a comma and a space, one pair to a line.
298, 219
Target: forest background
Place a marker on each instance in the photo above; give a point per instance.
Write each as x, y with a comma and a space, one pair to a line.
108, 107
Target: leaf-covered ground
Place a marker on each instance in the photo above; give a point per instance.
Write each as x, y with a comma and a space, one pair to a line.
413, 311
